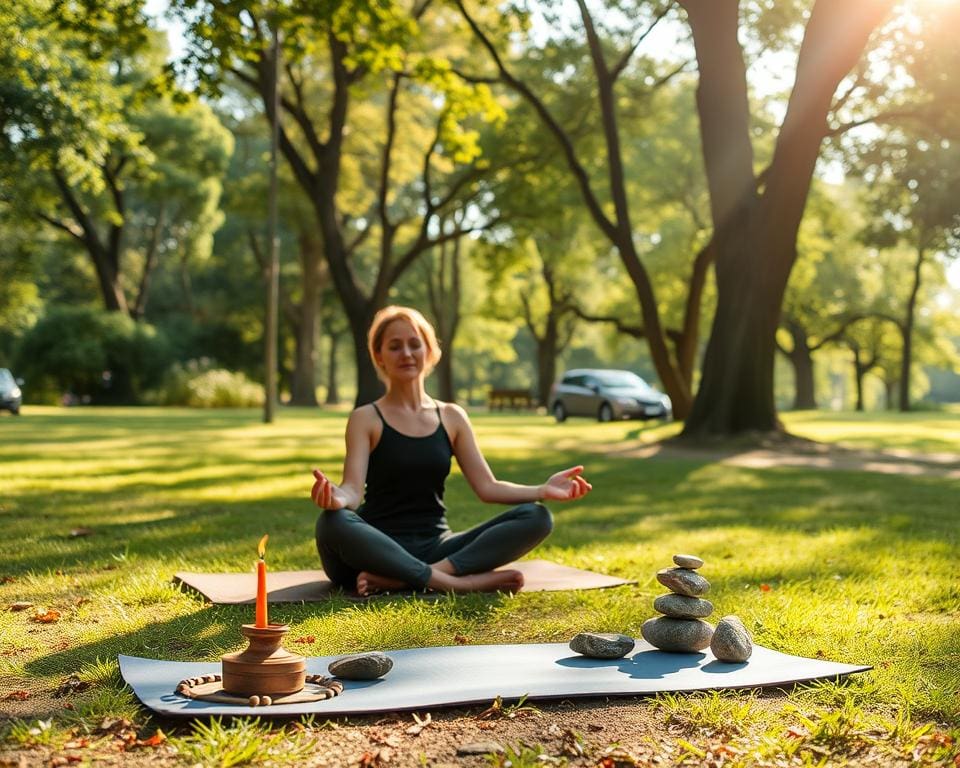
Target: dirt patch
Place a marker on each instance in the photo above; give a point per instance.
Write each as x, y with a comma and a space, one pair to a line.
805, 453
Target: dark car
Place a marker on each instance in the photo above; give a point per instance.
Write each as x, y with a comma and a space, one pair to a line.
607, 395
10, 395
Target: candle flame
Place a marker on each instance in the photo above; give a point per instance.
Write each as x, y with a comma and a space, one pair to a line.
262, 546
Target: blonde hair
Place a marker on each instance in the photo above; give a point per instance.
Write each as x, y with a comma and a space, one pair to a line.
378, 329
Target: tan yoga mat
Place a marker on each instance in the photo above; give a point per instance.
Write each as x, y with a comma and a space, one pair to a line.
313, 586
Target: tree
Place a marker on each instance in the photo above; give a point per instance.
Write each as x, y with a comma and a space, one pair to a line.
333, 53
825, 295
95, 145
912, 190
20, 302
756, 224
610, 57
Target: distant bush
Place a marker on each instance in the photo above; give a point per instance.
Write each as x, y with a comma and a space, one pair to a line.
199, 384
91, 355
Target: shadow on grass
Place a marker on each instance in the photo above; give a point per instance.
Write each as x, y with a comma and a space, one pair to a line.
633, 500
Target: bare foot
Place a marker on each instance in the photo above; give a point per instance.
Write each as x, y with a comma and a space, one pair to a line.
368, 583
488, 581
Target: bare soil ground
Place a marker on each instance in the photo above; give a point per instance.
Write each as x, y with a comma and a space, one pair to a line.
796, 452
607, 733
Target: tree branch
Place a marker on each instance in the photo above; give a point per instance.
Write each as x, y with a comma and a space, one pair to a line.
566, 145
635, 331
625, 58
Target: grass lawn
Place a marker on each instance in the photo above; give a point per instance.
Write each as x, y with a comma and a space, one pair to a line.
852, 566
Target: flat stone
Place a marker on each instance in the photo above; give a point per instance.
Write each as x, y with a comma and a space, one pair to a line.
683, 581
688, 561
602, 645
683, 607
731, 640
677, 635
361, 666
481, 748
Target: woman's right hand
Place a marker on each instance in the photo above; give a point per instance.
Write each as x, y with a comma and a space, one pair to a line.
326, 494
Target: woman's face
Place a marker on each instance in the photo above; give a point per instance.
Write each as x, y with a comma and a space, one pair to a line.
402, 352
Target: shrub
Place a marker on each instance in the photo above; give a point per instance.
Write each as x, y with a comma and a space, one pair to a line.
95, 355
199, 384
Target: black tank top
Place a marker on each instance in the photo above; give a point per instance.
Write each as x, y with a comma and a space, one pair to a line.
405, 481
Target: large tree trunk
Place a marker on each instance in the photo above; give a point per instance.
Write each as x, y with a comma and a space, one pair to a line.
443, 288
369, 386
802, 360
547, 351
333, 392
105, 255
858, 374
756, 234
303, 385
906, 331
889, 390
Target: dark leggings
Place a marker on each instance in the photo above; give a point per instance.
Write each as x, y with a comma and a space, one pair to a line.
347, 545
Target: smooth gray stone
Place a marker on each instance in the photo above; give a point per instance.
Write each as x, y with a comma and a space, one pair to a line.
602, 645
731, 640
481, 748
361, 666
683, 607
688, 561
677, 635
683, 581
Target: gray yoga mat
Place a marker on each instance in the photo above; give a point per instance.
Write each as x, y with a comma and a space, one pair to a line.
423, 678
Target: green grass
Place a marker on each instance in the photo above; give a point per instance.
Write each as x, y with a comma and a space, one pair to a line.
860, 567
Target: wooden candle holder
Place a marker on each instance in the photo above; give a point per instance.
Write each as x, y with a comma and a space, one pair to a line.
264, 667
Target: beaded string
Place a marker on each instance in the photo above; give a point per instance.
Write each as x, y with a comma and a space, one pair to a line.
329, 688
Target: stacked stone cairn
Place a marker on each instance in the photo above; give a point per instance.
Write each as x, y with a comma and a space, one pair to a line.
682, 628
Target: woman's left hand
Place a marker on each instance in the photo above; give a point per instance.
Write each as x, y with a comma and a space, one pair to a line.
566, 485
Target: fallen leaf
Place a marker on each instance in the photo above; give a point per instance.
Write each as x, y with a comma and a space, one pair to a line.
6, 579
81, 743
20, 606
310, 639
46, 616
17, 696
419, 725
114, 725
461, 639
75, 532
765, 587
72, 684
797, 732
153, 741
374, 759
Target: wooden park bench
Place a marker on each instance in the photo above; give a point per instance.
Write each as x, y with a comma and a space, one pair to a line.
515, 399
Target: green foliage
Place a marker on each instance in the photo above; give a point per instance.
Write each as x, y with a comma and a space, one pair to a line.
524, 756
96, 356
243, 742
199, 384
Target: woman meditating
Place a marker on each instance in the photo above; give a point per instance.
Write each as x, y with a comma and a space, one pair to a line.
398, 458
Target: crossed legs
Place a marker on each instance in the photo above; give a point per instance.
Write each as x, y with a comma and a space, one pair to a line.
353, 552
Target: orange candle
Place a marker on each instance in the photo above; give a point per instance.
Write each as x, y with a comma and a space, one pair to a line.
262, 584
